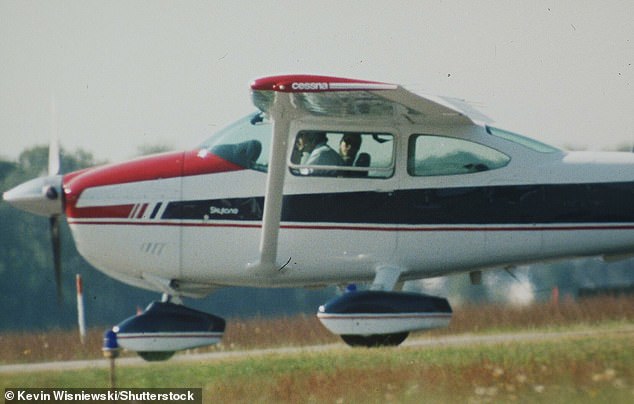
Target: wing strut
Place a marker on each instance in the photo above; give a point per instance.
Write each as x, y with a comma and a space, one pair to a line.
282, 114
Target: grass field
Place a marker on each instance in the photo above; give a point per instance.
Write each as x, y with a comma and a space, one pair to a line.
29, 347
584, 367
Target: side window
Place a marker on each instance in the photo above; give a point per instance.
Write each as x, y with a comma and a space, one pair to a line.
431, 155
343, 154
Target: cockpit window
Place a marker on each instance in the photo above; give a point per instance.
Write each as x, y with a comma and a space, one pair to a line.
522, 140
343, 154
245, 142
431, 155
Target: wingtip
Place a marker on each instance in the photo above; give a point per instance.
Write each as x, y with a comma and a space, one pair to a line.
293, 83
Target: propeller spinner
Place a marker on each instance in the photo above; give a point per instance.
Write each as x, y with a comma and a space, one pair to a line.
41, 196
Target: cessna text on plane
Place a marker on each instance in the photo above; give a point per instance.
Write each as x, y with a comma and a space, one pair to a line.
309, 86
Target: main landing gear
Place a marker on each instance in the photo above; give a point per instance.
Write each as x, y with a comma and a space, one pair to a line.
376, 340
380, 316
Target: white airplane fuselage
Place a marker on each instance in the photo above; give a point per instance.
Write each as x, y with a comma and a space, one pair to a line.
196, 219
333, 181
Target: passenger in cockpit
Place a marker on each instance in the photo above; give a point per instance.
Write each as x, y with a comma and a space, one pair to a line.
349, 147
348, 150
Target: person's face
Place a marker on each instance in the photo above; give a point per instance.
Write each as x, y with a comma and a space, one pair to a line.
347, 149
304, 144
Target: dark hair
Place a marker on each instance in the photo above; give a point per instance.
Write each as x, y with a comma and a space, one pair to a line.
315, 136
353, 139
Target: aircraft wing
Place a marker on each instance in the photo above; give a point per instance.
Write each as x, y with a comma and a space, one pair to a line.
340, 97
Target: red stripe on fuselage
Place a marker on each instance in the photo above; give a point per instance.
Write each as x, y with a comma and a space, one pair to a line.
151, 168
141, 211
103, 212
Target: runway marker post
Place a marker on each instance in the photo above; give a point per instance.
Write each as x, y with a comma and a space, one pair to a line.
111, 351
81, 317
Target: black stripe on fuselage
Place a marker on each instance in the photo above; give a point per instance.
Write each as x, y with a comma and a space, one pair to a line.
155, 210
509, 204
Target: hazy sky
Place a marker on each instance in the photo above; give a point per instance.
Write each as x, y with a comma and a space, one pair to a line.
130, 73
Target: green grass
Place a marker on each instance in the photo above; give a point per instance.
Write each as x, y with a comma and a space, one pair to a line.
301, 330
591, 368
597, 367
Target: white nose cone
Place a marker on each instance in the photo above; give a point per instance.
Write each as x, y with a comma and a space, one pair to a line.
41, 196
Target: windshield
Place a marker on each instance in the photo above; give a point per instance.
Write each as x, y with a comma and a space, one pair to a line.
245, 142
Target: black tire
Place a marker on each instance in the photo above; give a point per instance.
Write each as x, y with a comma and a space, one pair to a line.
156, 356
375, 340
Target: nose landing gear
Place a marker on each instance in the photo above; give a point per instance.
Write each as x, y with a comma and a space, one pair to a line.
166, 327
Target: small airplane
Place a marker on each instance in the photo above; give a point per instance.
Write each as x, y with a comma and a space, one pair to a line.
334, 181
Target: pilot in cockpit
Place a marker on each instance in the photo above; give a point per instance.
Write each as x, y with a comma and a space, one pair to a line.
311, 148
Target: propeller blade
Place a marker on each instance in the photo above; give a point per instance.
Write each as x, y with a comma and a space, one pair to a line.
57, 254
53, 193
53, 147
